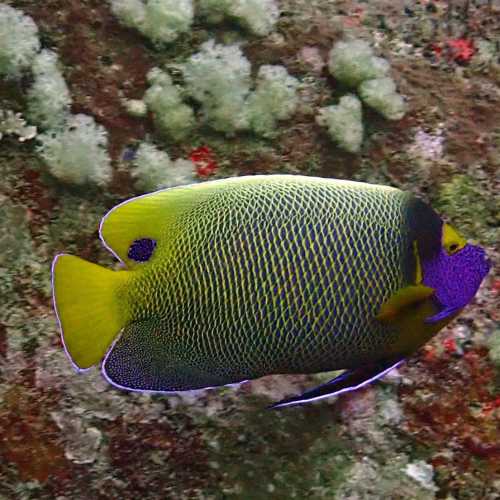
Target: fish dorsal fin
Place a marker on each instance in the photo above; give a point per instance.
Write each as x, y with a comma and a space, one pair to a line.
402, 299
147, 217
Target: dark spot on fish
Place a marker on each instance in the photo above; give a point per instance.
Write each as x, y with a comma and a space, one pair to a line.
141, 250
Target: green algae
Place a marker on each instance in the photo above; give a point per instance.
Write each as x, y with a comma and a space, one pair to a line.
278, 454
476, 212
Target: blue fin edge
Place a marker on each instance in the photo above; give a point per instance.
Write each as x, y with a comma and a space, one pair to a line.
350, 380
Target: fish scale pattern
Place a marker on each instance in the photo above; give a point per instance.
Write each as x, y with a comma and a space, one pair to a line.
278, 277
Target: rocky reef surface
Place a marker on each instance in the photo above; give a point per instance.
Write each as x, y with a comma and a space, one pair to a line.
429, 429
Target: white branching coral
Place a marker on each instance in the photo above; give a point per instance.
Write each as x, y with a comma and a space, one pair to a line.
162, 21
258, 16
135, 107
344, 122
352, 62
155, 170
77, 154
49, 99
219, 78
381, 95
275, 98
14, 124
172, 116
18, 41
131, 13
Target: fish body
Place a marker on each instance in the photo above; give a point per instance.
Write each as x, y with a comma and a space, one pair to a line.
240, 278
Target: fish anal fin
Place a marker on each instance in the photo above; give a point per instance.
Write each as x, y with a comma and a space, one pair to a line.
350, 380
403, 298
149, 357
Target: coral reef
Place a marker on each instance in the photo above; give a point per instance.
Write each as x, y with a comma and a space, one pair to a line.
219, 78
163, 21
427, 430
274, 99
380, 94
354, 64
259, 16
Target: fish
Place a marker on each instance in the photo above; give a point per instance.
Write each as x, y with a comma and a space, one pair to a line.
234, 279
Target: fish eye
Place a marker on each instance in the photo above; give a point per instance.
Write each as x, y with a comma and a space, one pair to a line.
141, 250
453, 248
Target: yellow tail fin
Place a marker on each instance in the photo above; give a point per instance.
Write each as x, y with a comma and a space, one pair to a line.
87, 307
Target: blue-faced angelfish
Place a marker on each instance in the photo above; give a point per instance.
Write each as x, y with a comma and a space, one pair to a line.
234, 279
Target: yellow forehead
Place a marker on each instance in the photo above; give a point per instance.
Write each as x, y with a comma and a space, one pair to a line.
452, 240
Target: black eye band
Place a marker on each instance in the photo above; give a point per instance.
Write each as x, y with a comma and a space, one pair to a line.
141, 250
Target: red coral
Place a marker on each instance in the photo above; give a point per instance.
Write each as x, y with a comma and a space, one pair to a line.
450, 345
461, 49
204, 159
437, 49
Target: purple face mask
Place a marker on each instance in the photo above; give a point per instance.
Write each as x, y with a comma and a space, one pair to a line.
455, 278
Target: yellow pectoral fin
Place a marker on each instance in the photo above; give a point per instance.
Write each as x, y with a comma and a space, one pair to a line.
402, 299
418, 265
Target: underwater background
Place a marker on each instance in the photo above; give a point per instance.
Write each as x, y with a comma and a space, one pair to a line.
104, 100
